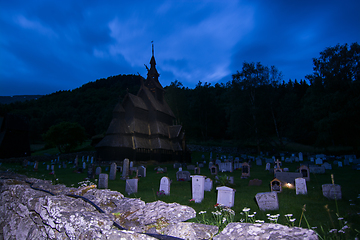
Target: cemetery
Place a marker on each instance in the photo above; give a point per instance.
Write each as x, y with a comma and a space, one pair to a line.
298, 191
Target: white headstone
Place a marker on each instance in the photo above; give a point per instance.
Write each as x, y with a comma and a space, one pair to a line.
87, 159
198, 184
92, 160
103, 180
226, 196
165, 185
208, 185
84, 165
267, 201
52, 167
301, 158
113, 168
142, 171
131, 186
131, 164
318, 161
258, 161
180, 168
267, 167
340, 164
47, 167
300, 184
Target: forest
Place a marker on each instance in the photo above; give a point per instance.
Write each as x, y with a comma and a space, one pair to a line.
256, 107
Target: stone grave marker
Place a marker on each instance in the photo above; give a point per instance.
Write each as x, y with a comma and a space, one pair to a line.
91, 171
132, 170
231, 179
318, 161
267, 201
237, 165
267, 168
210, 164
177, 165
346, 162
112, 171
198, 184
142, 171
25, 163
245, 170
180, 169
103, 180
288, 177
76, 162
131, 186
52, 167
125, 172
131, 164
225, 196
59, 165
183, 176
301, 158
165, 185
305, 171
300, 185
317, 169
84, 165
36, 166
87, 159
197, 170
340, 164
83, 158
217, 162
64, 165
327, 166
258, 161
276, 185
208, 184
331, 191
201, 165
255, 182
286, 169
47, 167
213, 170
92, 160
190, 167
98, 171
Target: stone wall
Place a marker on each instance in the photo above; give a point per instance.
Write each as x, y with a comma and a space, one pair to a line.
62, 213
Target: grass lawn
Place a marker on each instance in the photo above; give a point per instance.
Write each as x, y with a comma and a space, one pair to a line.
316, 213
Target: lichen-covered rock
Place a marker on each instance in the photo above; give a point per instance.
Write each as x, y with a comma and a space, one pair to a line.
190, 230
264, 231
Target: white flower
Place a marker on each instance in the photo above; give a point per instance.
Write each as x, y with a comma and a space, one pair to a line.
268, 214
223, 220
314, 227
333, 230
340, 218
259, 221
292, 220
242, 220
246, 209
288, 215
252, 215
341, 231
202, 212
345, 227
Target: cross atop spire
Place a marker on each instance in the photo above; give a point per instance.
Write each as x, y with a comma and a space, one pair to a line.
152, 46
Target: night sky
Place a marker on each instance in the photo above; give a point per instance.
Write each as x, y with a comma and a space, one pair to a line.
47, 46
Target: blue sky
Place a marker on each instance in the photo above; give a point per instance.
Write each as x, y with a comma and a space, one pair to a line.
47, 46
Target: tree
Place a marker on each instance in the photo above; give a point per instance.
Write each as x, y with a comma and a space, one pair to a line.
65, 136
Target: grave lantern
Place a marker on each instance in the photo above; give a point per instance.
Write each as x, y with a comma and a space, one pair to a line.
245, 170
276, 185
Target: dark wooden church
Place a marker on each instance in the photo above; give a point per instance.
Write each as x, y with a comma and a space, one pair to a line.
142, 126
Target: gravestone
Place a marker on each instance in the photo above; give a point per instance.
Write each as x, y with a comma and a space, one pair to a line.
52, 167
301, 158
276, 185
201, 165
131, 186
210, 164
208, 184
317, 169
98, 171
267, 201
84, 165
25, 163
76, 162
36, 165
331, 191
288, 177
59, 166
267, 168
255, 182
225, 196
196, 170
183, 176
258, 161
286, 169
47, 167
112, 171
245, 170
305, 171
87, 159
318, 161
131, 164
340, 164
142, 171
165, 185
103, 180
231, 179
198, 184
125, 172
82, 159
180, 169
91, 171
327, 166
64, 165
92, 160
177, 165
237, 165
225, 167
300, 185
217, 162
213, 170
346, 162
190, 167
